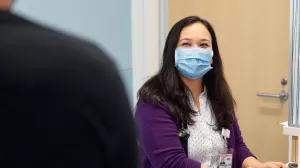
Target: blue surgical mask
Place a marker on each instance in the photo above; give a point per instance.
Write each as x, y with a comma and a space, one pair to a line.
193, 62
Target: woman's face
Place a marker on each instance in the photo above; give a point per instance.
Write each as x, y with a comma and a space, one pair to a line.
195, 35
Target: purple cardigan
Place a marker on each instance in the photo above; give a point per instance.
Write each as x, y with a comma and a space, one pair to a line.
161, 147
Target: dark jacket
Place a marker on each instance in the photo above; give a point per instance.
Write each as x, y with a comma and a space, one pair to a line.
62, 102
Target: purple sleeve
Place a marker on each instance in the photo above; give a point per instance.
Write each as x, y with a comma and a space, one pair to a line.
241, 150
159, 140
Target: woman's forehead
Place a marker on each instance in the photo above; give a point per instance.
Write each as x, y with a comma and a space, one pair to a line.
196, 31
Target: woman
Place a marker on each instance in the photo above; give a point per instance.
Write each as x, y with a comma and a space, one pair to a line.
185, 114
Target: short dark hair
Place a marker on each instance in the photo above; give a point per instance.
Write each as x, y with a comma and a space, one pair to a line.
166, 87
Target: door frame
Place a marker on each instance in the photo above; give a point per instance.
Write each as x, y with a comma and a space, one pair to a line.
149, 31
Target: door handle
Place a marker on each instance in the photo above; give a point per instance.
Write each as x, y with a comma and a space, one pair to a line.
282, 95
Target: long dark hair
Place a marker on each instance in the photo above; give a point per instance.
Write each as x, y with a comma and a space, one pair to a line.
166, 87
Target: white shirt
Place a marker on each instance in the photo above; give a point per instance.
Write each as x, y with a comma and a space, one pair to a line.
205, 144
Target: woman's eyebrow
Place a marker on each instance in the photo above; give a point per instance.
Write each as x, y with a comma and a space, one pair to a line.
205, 40
201, 40
188, 39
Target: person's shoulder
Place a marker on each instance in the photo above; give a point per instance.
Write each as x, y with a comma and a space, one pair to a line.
147, 110
147, 104
45, 39
76, 45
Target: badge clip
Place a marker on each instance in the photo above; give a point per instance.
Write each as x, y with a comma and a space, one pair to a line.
225, 133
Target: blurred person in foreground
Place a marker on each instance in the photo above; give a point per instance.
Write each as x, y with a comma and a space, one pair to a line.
62, 101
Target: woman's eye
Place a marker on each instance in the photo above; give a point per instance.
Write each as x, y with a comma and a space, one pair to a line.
204, 45
186, 44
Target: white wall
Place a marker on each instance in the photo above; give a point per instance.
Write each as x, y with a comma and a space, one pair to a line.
149, 30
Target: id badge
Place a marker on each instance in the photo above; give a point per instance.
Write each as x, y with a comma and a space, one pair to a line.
225, 160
